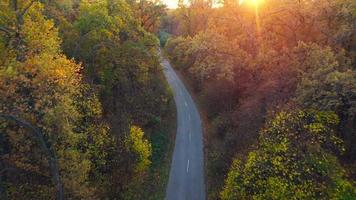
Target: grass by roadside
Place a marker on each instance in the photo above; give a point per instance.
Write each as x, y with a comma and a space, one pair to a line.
162, 140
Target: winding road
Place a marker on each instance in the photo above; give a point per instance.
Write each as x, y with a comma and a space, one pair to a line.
186, 177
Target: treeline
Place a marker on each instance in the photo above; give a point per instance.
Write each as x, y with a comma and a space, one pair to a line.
79, 83
278, 83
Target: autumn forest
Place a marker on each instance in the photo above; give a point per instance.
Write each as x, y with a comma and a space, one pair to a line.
86, 111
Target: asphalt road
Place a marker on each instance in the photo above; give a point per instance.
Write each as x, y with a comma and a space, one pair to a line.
186, 177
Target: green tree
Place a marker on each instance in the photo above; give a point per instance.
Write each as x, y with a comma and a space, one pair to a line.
139, 153
295, 159
140, 148
328, 83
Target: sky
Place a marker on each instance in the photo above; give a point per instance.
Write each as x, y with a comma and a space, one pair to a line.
170, 3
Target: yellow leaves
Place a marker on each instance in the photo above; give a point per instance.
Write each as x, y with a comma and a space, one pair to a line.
278, 163
42, 80
315, 127
41, 90
141, 147
45, 88
75, 167
39, 33
290, 160
55, 69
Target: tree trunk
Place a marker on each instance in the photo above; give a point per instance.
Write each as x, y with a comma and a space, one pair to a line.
48, 150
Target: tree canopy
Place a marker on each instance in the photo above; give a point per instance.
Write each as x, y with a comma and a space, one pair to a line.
85, 75
295, 159
250, 61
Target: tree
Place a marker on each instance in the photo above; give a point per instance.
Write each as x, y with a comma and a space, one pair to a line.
84, 110
148, 13
192, 18
247, 62
140, 148
139, 151
295, 159
48, 150
328, 83
41, 86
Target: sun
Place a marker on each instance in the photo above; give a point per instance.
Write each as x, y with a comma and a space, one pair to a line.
256, 2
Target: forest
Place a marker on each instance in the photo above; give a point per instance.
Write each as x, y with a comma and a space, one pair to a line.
276, 80
79, 117
86, 113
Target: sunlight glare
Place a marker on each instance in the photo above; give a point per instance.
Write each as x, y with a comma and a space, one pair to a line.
251, 2
171, 3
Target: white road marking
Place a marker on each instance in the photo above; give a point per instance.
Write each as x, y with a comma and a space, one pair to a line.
186, 104
188, 166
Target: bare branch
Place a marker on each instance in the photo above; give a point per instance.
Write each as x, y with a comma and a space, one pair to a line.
7, 169
23, 12
52, 160
6, 30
